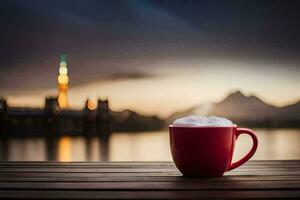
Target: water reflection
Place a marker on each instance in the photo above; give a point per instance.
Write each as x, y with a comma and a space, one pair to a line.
54, 149
146, 146
140, 146
64, 149
29, 149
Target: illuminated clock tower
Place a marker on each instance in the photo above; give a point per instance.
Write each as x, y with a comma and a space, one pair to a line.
63, 80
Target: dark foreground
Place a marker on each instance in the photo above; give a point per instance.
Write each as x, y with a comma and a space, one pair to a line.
145, 180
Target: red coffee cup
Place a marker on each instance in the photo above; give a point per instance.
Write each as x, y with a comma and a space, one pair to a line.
207, 151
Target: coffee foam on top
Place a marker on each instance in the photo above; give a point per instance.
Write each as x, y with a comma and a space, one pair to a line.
195, 121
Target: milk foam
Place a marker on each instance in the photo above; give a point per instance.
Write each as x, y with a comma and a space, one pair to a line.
195, 121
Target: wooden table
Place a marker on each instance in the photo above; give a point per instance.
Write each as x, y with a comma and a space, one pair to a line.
145, 180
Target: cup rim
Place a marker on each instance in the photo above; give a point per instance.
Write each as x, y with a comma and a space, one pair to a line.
231, 126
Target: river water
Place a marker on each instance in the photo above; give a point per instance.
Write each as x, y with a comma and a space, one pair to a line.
143, 146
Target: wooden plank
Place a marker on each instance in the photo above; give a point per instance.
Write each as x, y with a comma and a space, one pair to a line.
138, 166
100, 178
129, 163
245, 167
117, 174
125, 170
161, 173
199, 185
86, 170
60, 194
92, 166
128, 169
83, 163
135, 171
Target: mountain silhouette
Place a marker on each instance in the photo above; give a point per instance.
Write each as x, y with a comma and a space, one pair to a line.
248, 111
131, 121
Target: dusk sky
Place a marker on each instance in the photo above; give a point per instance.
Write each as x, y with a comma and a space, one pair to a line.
154, 57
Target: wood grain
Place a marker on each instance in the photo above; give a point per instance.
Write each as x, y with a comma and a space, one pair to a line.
265, 179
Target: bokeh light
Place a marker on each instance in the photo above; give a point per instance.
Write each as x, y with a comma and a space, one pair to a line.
63, 64
63, 79
63, 70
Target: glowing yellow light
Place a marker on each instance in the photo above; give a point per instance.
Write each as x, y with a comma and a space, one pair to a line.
63, 70
64, 149
63, 64
63, 79
63, 87
62, 99
91, 105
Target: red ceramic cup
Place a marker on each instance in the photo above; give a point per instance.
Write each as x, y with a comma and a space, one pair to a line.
207, 151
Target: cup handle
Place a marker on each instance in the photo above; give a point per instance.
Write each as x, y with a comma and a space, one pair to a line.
238, 132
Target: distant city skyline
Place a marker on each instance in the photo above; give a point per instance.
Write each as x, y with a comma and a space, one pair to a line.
154, 57
164, 95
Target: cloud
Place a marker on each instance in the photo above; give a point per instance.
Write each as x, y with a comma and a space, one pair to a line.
131, 75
